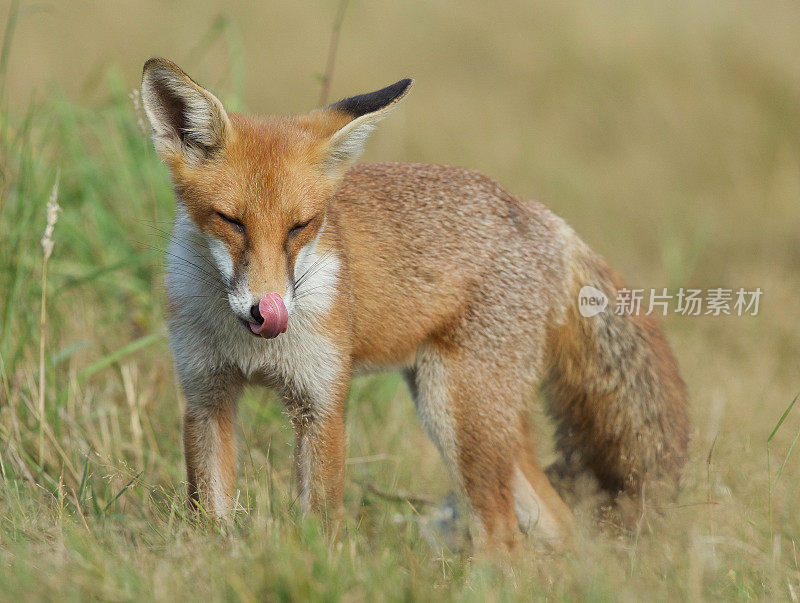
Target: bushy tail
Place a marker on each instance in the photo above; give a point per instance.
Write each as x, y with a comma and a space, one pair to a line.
613, 386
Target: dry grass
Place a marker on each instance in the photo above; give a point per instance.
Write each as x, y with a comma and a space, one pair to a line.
667, 135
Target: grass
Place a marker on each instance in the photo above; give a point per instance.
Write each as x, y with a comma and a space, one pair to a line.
668, 137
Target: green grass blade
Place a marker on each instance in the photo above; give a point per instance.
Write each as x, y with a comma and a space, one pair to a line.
107, 361
97, 273
68, 351
84, 477
786, 458
122, 491
782, 419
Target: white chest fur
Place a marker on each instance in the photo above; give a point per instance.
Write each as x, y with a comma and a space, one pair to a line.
206, 337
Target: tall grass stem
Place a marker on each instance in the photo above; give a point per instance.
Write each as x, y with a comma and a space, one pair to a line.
47, 249
333, 48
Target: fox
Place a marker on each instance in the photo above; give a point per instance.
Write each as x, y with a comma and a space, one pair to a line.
293, 267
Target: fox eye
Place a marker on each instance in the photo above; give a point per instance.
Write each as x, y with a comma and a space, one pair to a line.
295, 230
232, 221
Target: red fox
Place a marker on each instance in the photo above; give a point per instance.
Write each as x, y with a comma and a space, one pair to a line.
292, 268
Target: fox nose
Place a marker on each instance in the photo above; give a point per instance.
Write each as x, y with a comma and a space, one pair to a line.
271, 316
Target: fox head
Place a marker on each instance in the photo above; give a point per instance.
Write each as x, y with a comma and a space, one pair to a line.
256, 189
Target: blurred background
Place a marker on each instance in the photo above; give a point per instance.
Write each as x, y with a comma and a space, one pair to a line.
673, 122
666, 134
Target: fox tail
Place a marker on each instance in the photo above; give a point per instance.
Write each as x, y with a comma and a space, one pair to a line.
613, 386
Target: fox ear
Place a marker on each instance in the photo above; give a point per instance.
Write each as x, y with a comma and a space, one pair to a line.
187, 120
356, 117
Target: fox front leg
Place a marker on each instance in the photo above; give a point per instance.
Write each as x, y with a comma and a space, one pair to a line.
210, 444
320, 450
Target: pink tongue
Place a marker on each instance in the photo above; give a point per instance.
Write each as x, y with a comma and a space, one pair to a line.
274, 314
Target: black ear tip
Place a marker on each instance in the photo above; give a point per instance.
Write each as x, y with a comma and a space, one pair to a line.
374, 101
401, 87
405, 85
